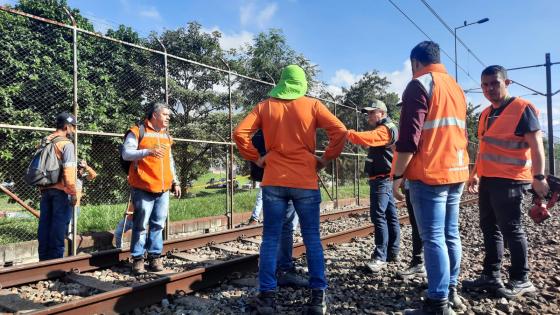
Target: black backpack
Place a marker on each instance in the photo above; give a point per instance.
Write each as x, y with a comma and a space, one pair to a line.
45, 167
125, 165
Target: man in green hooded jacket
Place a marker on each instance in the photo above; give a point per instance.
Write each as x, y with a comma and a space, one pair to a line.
289, 121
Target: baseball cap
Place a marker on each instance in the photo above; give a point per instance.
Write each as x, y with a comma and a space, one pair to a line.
66, 118
377, 104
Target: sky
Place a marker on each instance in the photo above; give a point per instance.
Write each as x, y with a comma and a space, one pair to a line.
348, 38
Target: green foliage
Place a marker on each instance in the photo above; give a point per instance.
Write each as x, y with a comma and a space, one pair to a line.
116, 80
472, 122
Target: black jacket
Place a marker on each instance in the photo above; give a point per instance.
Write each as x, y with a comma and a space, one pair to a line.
379, 159
257, 173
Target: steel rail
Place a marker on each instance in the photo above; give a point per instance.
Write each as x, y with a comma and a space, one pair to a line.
51, 269
127, 299
55, 268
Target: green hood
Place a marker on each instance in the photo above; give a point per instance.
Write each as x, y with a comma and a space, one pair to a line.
292, 85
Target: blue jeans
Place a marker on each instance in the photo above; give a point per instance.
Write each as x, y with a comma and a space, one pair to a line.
285, 259
258, 205
437, 213
306, 203
120, 229
149, 209
56, 211
383, 214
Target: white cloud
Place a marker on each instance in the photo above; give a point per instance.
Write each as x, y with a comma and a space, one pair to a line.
399, 78
333, 89
249, 15
345, 78
231, 40
266, 14
150, 12
100, 25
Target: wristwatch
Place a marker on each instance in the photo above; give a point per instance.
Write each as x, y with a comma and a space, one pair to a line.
539, 177
395, 177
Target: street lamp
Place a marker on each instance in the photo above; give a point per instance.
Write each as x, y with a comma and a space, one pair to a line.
465, 24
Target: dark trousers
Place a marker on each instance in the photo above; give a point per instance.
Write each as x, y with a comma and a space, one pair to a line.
383, 213
56, 212
500, 219
417, 248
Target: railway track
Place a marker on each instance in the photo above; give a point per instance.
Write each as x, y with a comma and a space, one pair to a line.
101, 282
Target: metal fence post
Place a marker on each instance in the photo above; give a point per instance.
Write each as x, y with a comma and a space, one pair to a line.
72, 247
167, 220
229, 178
357, 160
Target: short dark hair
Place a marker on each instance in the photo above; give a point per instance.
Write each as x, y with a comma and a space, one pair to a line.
427, 53
154, 107
495, 69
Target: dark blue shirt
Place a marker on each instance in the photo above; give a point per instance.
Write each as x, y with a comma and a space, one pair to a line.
529, 122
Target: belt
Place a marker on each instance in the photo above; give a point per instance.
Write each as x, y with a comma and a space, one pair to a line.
380, 176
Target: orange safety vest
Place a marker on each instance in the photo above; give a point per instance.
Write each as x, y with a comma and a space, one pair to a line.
151, 173
502, 153
442, 156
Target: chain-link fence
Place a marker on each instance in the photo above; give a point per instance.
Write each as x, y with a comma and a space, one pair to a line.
114, 77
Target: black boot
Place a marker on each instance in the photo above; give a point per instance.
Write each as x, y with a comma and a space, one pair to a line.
432, 307
484, 282
454, 299
415, 270
317, 303
265, 303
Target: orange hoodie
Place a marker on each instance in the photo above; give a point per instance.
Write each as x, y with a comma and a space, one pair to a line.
289, 128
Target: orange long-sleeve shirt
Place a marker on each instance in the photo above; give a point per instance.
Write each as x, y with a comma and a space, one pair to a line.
289, 128
377, 137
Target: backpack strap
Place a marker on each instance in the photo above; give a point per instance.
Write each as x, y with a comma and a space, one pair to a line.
141, 132
58, 139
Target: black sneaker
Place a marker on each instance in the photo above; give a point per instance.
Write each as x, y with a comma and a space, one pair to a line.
416, 270
253, 221
393, 258
290, 278
516, 288
317, 303
484, 282
432, 307
455, 300
265, 303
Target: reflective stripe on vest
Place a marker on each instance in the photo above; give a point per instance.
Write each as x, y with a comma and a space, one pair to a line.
442, 157
443, 122
502, 153
156, 135
505, 160
506, 144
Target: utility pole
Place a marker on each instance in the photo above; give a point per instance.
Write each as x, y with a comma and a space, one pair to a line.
549, 94
549, 115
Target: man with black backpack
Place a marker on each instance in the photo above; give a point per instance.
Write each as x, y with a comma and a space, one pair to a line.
151, 175
57, 197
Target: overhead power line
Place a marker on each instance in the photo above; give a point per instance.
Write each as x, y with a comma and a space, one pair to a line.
430, 38
452, 32
471, 52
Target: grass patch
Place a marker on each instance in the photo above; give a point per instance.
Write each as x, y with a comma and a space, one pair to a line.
199, 203
18, 230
